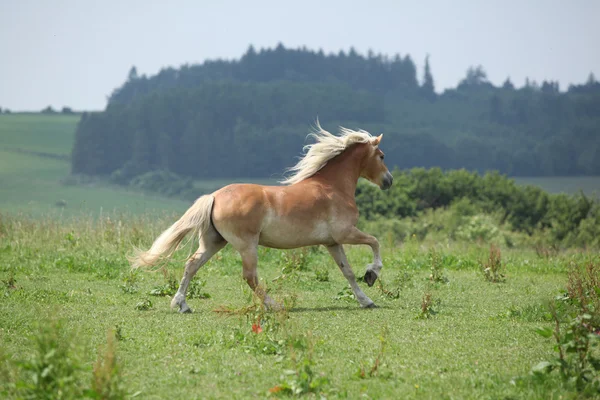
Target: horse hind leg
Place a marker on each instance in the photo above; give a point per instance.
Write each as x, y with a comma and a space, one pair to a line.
210, 244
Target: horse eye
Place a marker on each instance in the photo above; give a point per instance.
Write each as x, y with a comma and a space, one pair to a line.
382, 156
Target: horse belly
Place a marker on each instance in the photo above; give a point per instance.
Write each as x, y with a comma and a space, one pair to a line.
283, 233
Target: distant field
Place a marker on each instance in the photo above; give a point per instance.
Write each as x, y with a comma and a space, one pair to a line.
53, 134
34, 152
590, 185
30, 182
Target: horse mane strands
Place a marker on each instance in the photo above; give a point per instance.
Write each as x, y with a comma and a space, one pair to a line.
326, 147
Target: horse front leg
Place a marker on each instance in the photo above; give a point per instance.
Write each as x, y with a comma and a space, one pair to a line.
249, 264
358, 237
338, 254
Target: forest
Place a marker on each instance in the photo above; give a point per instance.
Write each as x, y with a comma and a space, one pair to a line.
250, 117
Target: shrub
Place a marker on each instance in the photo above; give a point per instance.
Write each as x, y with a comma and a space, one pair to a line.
577, 340
51, 372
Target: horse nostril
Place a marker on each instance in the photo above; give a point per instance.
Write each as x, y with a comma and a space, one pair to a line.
387, 181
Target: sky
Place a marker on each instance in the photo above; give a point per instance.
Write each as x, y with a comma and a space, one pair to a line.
76, 52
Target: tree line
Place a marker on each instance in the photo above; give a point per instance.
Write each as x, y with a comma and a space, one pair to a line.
249, 118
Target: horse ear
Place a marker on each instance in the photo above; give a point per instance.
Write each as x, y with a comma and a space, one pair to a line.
377, 140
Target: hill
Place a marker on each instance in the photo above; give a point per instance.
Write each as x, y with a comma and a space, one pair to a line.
249, 118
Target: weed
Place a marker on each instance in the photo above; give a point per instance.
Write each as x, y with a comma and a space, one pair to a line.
393, 294
163, 290
293, 261
578, 349
289, 301
345, 294
583, 290
428, 306
493, 268
256, 314
577, 341
301, 378
196, 290
51, 371
373, 370
259, 332
130, 280
107, 383
7, 376
546, 252
169, 288
402, 281
10, 282
322, 274
296, 259
144, 305
437, 271
72, 239
119, 333
529, 313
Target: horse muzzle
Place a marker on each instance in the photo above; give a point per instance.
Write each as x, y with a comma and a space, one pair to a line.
387, 181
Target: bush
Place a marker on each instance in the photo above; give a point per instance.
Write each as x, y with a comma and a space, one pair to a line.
481, 207
51, 372
578, 340
164, 182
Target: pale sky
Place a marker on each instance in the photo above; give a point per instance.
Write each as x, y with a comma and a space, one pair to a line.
75, 52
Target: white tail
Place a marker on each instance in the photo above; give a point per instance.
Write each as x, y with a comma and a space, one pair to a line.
196, 219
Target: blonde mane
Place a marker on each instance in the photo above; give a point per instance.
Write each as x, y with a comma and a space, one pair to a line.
326, 147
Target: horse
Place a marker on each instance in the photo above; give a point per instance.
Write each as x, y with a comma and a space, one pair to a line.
315, 205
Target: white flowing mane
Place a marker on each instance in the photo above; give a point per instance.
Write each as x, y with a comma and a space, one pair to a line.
326, 147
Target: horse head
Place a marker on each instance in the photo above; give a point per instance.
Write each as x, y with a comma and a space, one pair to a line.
373, 166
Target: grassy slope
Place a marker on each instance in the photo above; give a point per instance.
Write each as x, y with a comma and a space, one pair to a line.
30, 182
52, 134
480, 340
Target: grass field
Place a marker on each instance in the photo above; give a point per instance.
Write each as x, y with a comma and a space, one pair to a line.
478, 340
34, 159
30, 177
43, 133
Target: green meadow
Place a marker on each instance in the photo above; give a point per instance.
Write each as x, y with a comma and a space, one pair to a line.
42, 133
441, 330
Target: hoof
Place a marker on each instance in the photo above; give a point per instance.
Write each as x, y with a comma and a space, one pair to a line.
371, 305
370, 277
185, 310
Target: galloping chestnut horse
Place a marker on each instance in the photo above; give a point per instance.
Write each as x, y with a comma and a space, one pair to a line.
316, 206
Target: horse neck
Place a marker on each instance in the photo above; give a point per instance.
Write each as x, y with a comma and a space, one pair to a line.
343, 171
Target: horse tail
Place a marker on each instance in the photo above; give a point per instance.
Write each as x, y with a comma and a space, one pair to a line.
197, 219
